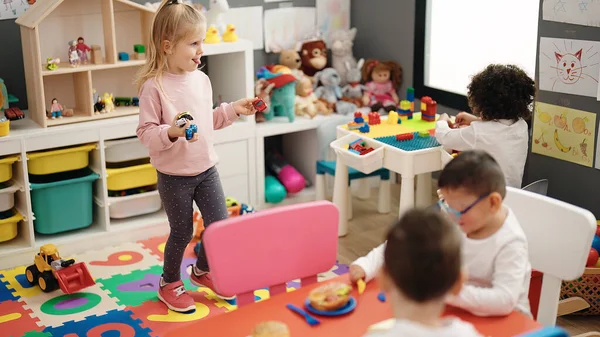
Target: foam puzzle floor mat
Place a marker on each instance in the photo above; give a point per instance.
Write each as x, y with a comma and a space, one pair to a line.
123, 302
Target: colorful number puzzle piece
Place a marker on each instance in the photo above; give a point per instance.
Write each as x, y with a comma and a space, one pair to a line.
15, 319
134, 288
113, 323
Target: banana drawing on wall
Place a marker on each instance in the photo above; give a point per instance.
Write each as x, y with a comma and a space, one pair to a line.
571, 131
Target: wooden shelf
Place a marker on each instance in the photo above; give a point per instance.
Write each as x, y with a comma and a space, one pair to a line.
79, 117
65, 68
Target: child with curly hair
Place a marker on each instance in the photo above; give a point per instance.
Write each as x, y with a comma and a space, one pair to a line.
501, 98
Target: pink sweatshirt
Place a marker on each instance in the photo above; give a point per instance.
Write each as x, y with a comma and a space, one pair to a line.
191, 92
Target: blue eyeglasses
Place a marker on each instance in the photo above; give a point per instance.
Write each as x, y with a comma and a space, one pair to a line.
455, 213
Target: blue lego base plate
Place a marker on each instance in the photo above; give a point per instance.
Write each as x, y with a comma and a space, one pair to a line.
417, 143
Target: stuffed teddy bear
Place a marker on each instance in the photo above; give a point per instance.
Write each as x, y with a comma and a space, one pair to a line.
307, 102
330, 92
263, 89
291, 59
341, 42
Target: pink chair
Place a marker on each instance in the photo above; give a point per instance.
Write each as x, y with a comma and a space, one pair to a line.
272, 247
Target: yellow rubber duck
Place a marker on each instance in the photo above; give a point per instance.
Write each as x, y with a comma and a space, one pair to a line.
229, 35
212, 35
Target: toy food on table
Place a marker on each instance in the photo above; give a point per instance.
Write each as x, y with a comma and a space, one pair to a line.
330, 297
271, 329
361, 285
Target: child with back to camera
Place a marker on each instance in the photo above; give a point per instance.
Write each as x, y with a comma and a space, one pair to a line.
501, 96
170, 83
495, 250
422, 266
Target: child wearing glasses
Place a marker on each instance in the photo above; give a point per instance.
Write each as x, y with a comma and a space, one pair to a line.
501, 98
495, 254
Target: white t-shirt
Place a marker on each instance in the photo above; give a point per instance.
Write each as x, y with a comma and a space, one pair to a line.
451, 327
506, 141
498, 271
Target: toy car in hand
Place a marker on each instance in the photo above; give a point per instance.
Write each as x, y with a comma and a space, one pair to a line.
259, 104
189, 132
182, 119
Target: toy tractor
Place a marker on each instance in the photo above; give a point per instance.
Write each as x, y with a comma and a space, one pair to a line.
50, 272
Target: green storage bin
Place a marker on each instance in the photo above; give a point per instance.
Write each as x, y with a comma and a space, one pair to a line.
63, 201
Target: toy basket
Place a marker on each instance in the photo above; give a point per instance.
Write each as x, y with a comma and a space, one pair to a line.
367, 163
586, 287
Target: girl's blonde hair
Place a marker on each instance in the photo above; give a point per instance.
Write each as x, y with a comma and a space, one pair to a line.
174, 21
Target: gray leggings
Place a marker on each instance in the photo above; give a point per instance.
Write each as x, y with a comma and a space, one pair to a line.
177, 194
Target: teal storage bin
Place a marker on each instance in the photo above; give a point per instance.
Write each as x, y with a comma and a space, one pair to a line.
63, 201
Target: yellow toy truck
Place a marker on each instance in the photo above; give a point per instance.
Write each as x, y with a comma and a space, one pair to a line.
49, 271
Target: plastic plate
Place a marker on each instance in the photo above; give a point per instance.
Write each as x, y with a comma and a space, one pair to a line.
350, 306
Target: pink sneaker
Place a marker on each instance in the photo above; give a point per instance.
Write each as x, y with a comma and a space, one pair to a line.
205, 280
174, 296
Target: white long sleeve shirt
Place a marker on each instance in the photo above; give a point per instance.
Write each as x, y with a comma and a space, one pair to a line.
451, 327
498, 271
506, 141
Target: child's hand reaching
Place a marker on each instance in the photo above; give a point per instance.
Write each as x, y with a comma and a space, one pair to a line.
465, 118
244, 106
356, 273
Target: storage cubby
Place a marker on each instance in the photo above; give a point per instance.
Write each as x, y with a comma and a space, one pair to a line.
103, 81
18, 212
72, 91
132, 26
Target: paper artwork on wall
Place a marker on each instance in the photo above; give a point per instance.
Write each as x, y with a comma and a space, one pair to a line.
285, 27
569, 66
578, 12
12, 9
564, 133
246, 28
332, 15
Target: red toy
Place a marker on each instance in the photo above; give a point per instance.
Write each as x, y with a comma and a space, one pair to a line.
259, 104
598, 231
405, 136
359, 147
374, 118
428, 109
14, 114
592, 258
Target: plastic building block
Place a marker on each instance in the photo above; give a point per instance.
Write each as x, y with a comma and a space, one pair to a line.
424, 134
392, 118
404, 136
354, 125
405, 105
189, 132
359, 147
417, 143
374, 118
410, 94
364, 129
123, 56
139, 48
357, 114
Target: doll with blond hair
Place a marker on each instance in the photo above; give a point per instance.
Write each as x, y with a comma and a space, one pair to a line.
382, 79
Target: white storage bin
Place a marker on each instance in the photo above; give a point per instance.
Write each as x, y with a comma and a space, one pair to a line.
7, 197
446, 156
121, 150
134, 205
367, 163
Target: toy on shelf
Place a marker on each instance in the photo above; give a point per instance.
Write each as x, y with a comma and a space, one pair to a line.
274, 191
374, 118
182, 119
52, 64
283, 93
108, 101
404, 111
56, 109
214, 16
123, 56
428, 109
291, 59
50, 272
13, 114
96, 54
229, 35
342, 58
212, 35
83, 50
139, 52
307, 102
314, 56
382, 79
99, 106
359, 147
74, 59
330, 92
4, 128
353, 91
127, 101
293, 181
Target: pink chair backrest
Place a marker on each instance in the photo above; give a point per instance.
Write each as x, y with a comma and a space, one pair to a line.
271, 247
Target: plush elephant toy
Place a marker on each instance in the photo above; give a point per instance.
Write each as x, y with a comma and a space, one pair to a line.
283, 95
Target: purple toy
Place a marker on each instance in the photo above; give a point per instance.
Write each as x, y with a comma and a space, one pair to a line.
289, 177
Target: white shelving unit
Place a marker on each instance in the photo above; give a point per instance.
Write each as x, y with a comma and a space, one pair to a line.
235, 146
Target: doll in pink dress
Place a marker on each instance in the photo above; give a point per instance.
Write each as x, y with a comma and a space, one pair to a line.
382, 80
